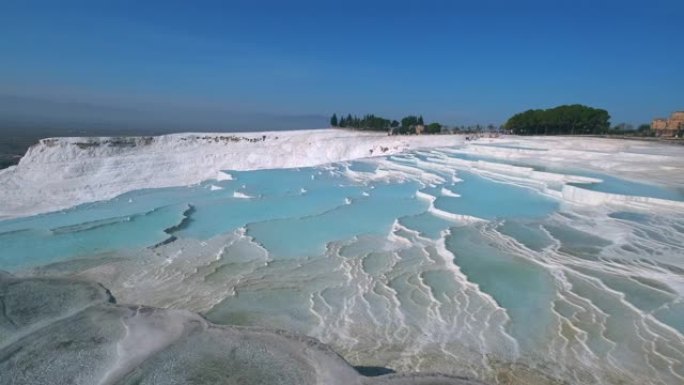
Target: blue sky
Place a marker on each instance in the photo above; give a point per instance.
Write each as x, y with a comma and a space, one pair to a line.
458, 62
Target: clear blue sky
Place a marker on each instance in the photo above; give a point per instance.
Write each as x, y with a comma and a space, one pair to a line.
459, 62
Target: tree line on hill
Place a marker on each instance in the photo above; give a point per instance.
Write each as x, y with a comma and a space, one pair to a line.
408, 124
573, 119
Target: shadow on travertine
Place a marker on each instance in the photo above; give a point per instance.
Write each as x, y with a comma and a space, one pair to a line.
57, 331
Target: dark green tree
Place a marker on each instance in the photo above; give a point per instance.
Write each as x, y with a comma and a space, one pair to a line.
433, 128
333, 120
409, 121
562, 120
367, 122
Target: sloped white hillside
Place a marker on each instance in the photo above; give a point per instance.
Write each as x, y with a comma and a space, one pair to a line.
58, 173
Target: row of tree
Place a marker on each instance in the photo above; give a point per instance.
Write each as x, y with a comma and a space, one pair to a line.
367, 122
370, 122
573, 119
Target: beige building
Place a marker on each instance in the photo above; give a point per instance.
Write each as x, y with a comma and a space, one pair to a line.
669, 127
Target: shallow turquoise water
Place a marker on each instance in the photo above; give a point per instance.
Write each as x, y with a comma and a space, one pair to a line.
528, 233
484, 198
426, 224
522, 287
309, 235
615, 185
35, 246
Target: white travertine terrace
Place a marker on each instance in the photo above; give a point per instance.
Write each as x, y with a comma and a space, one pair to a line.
58, 173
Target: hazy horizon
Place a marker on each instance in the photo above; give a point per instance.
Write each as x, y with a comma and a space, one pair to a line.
34, 112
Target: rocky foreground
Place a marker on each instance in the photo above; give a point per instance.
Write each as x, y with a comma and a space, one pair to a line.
59, 331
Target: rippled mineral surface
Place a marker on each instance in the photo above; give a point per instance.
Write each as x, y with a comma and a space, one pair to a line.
59, 331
